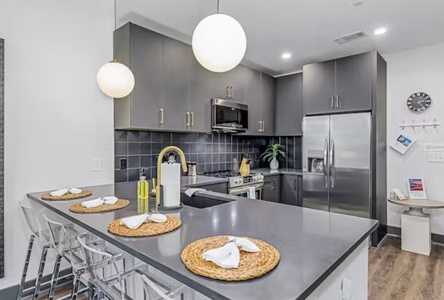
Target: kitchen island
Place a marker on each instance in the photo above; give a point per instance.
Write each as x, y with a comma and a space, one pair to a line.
316, 247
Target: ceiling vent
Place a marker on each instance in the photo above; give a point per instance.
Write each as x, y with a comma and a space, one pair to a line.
350, 37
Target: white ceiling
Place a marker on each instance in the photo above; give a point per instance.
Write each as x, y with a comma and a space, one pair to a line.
306, 28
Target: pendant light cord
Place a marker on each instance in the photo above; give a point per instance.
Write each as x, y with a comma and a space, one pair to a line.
115, 28
218, 6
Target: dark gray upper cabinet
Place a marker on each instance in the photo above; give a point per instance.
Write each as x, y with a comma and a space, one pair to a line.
354, 82
292, 189
173, 91
319, 87
177, 85
142, 51
261, 104
272, 189
268, 95
289, 114
341, 85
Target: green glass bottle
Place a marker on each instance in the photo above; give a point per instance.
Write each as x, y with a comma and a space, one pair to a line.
142, 194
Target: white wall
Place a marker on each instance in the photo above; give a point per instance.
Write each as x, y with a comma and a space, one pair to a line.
418, 70
56, 118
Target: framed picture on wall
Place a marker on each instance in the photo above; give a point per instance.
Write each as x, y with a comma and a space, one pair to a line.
416, 188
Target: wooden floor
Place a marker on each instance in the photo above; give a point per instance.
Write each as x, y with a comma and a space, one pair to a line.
401, 275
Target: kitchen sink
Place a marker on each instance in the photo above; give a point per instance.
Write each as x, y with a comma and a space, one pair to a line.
200, 202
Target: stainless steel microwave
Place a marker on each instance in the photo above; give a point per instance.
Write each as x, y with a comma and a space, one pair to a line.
228, 115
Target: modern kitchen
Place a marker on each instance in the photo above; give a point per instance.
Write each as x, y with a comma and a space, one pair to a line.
221, 149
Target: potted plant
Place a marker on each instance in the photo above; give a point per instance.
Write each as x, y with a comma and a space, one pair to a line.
271, 155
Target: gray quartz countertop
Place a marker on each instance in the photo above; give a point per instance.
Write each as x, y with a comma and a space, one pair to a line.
201, 180
312, 243
267, 171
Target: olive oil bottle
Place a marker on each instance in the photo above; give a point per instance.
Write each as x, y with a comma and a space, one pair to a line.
142, 194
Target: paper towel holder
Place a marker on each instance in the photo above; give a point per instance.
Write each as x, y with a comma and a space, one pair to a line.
161, 205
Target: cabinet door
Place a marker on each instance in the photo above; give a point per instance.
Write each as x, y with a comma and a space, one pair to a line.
255, 105
319, 88
177, 87
147, 67
289, 112
291, 189
268, 92
354, 83
272, 189
204, 86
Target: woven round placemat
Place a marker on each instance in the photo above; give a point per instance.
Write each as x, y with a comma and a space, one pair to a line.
68, 196
146, 229
78, 208
251, 265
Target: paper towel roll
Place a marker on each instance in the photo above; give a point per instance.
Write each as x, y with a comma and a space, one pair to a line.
171, 184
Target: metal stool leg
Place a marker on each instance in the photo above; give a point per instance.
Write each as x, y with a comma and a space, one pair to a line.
38, 281
55, 276
75, 288
25, 268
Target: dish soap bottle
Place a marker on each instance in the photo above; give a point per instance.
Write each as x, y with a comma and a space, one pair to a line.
142, 194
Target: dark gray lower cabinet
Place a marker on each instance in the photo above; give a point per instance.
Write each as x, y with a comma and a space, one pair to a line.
292, 189
272, 189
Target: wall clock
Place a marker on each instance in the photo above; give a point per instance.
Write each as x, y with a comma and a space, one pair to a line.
419, 102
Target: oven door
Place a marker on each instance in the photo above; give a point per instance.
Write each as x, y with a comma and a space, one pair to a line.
243, 191
229, 115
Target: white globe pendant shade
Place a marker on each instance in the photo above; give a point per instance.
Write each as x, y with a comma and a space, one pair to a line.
219, 43
115, 79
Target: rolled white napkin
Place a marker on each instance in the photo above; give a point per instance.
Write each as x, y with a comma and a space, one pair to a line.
75, 191
134, 222
157, 218
228, 256
191, 192
59, 193
92, 203
244, 244
110, 200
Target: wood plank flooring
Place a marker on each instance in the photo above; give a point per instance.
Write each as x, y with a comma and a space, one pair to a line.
400, 275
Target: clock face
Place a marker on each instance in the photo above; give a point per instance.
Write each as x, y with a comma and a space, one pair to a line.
419, 102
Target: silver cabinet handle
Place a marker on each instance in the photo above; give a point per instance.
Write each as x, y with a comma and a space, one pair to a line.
260, 126
332, 163
187, 118
192, 118
227, 92
332, 101
274, 184
231, 92
161, 116
263, 126
325, 163
337, 101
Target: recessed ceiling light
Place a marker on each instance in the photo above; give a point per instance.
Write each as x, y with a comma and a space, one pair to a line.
380, 31
286, 55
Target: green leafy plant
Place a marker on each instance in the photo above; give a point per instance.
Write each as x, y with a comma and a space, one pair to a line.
273, 151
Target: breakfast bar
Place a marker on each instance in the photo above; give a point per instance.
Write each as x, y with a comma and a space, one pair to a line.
314, 245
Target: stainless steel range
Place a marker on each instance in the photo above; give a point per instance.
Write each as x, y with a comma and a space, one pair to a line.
241, 185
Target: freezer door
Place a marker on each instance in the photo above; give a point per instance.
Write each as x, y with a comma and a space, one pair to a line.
315, 148
349, 155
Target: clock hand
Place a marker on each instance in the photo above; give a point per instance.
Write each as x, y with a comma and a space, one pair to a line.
420, 103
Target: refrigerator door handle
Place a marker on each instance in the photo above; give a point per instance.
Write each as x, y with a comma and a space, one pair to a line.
325, 164
332, 163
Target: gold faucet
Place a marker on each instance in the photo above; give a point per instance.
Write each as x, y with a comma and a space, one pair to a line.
159, 172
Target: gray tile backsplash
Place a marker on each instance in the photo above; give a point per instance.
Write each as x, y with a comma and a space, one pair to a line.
212, 151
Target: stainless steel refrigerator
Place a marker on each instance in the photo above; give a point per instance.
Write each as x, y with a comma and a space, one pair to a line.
336, 163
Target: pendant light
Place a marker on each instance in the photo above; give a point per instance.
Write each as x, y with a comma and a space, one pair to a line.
114, 78
219, 42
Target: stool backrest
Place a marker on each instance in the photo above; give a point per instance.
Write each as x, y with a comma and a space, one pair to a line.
96, 261
33, 217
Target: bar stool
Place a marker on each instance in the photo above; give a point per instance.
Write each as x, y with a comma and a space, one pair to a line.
63, 240
114, 287
35, 221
